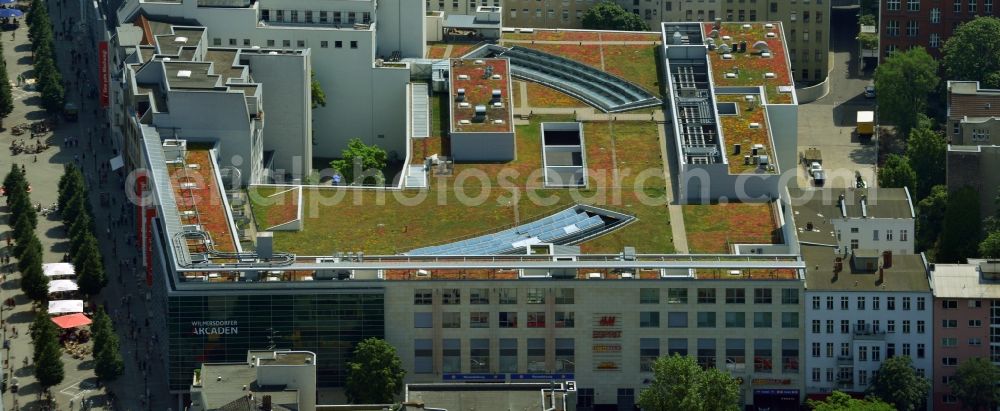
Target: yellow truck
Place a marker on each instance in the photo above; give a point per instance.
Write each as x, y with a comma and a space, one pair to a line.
865, 124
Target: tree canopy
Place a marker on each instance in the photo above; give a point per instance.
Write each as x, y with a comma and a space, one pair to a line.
108, 360
318, 95
375, 373
680, 384
897, 383
610, 16
839, 401
975, 384
361, 163
897, 173
973, 52
926, 150
930, 216
904, 80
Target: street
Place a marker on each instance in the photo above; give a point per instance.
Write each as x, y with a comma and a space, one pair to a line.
87, 143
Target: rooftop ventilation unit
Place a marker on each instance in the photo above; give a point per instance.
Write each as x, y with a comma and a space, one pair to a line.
497, 93
273, 53
765, 54
754, 125
184, 74
464, 104
498, 121
771, 34
769, 75
463, 76
480, 110
497, 104
727, 56
423, 273
189, 186
496, 77
180, 39
768, 26
464, 122
478, 61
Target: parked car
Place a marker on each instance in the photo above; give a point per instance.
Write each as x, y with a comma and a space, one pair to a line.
869, 91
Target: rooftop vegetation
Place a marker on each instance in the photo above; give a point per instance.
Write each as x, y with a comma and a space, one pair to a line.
712, 228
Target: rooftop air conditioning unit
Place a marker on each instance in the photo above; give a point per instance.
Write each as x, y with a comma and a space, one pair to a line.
496, 77
771, 34
423, 273
768, 26
180, 39
497, 93
595, 276
463, 76
765, 55
479, 61
464, 104
497, 104
498, 121
769, 75
184, 73
464, 122
754, 125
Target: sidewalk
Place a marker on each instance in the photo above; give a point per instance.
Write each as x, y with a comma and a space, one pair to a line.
126, 294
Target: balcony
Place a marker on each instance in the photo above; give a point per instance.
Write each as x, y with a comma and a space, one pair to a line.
868, 334
845, 361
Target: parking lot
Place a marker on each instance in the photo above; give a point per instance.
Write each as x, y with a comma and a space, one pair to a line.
828, 123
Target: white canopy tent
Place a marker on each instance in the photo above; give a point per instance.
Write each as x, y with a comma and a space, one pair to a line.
56, 286
58, 269
65, 307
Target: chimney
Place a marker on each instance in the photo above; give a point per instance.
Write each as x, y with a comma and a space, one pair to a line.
864, 206
843, 206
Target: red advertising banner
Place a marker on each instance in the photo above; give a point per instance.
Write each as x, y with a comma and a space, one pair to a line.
102, 69
148, 240
140, 186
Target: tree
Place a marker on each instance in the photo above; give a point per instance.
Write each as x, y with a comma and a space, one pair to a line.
866, 20
23, 231
975, 384
42, 332
897, 383
990, 247
75, 206
375, 374
53, 96
680, 384
973, 52
13, 179
35, 284
318, 95
930, 216
109, 364
90, 271
49, 366
360, 163
838, 401
70, 183
961, 228
610, 16
6, 97
903, 82
926, 150
32, 254
896, 172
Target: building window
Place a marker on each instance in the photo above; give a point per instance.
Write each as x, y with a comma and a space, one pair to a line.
980, 134
862, 377
845, 302
216, 41
585, 398
790, 356
817, 350
876, 303
422, 296
649, 296
286, 43
957, 6
829, 302
451, 296
508, 355
762, 356
280, 14
508, 296
451, 320
892, 28
565, 319
451, 353
975, 341
677, 296
736, 354
906, 303
536, 296
988, 7
935, 15
914, 5
677, 346
762, 320
324, 44
949, 361
975, 303
921, 303
863, 353
874, 235
565, 355
790, 296
479, 319
507, 319
890, 326
337, 17
975, 323
890, 303
324, 17
845, 326
735, 319
536, 319
789, 320
817, 325
479, 355
854, 244
815, 302
479, 296
911, 28
706, 352
921, 351
265, 15
649, 319
354, 44
301, 43
649, 351
949, 342
972, 6
338, 44
736, 296
761, 295
706, 296
706, 319
861, 303
295, 16
565, 296
423, 320
829, 326
892, 5
270, 43
423, 356
536, 355
677, 320
906, 326
232, 42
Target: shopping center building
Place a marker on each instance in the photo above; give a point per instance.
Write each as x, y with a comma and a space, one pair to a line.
578, 287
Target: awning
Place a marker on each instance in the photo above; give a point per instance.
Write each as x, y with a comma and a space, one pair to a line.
58, 269
71, 320
56, 286
117, 162
65, 306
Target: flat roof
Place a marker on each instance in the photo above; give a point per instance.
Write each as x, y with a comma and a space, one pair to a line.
190, 75
199, 200
470, 76
465, 21
481, 396
181, 37
963, 281
750, 67
748, 127
223, 385
224, 63
907, 273
815, 208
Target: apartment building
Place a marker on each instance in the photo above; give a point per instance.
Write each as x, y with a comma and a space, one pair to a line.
849, 219
966, 321
354, 45
806, 23
925, 23
973, 114
975, 166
